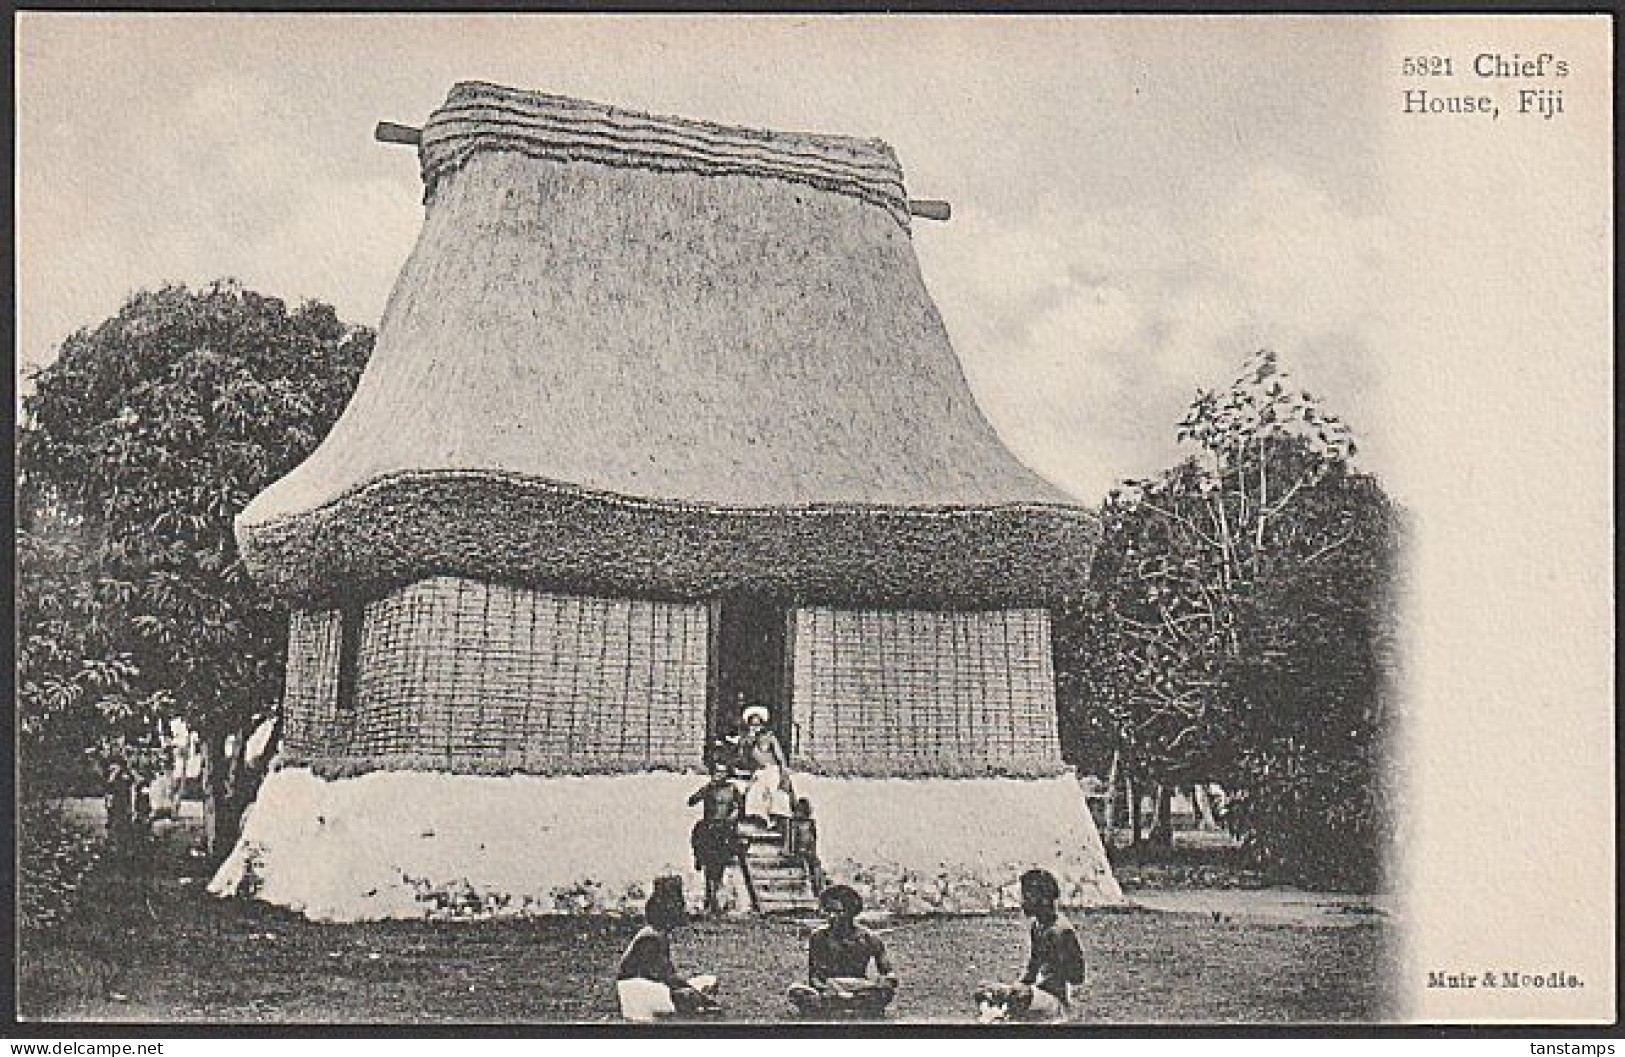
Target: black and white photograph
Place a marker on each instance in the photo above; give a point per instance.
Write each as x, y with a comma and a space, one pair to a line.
836, 522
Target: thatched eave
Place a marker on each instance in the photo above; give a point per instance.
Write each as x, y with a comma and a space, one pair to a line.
549, 536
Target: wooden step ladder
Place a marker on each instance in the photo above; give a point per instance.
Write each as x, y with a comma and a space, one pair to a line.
778, 883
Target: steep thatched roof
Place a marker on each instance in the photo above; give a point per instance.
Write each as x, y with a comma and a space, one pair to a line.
617, 318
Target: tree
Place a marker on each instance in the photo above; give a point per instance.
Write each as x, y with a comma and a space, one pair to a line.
1238, 610
1313, 792
139, 445
81, 717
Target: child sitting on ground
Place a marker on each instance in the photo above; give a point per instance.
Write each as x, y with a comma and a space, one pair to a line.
1054, 967
802, 842
646, 982
838, 959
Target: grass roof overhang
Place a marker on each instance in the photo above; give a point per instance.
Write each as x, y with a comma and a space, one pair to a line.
656, 356
510, 529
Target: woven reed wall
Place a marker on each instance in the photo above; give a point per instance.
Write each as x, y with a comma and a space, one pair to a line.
463, 676
924, 694
311, 685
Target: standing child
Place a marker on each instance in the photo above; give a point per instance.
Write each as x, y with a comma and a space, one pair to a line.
1054, 967
802, 842
838, 958
715, 838
646, 982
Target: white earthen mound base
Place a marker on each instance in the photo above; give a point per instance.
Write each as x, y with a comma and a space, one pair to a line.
957, 845
411, 844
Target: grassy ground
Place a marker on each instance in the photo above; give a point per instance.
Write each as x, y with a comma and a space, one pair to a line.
150, 945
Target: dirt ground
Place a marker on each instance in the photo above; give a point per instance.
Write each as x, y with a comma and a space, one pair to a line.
151, 945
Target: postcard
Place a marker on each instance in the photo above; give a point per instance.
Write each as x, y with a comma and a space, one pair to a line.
850, 521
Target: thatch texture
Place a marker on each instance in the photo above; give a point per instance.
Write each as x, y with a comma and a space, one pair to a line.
640, 354
479, 117
506, 527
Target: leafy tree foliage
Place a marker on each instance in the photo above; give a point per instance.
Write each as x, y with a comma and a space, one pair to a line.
1238, 630
59, 857
140, 443
80, 711
1313, 794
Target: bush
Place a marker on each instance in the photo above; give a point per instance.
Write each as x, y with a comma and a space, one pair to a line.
1315, 822
55, 858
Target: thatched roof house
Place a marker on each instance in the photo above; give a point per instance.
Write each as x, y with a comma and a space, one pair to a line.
661, 415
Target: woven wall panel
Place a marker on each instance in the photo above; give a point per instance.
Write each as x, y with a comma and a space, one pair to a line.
310, 690
912, 693
471, 677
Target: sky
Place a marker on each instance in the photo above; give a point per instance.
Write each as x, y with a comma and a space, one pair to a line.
1138, 203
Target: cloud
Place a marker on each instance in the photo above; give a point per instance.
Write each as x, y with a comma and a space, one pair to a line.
1128, 226
1085, 335
314, 250
222, 174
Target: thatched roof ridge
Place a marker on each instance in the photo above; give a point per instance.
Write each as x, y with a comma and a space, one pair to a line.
479, 116
613, 341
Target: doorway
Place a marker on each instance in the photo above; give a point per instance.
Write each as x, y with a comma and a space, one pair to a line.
748, 666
